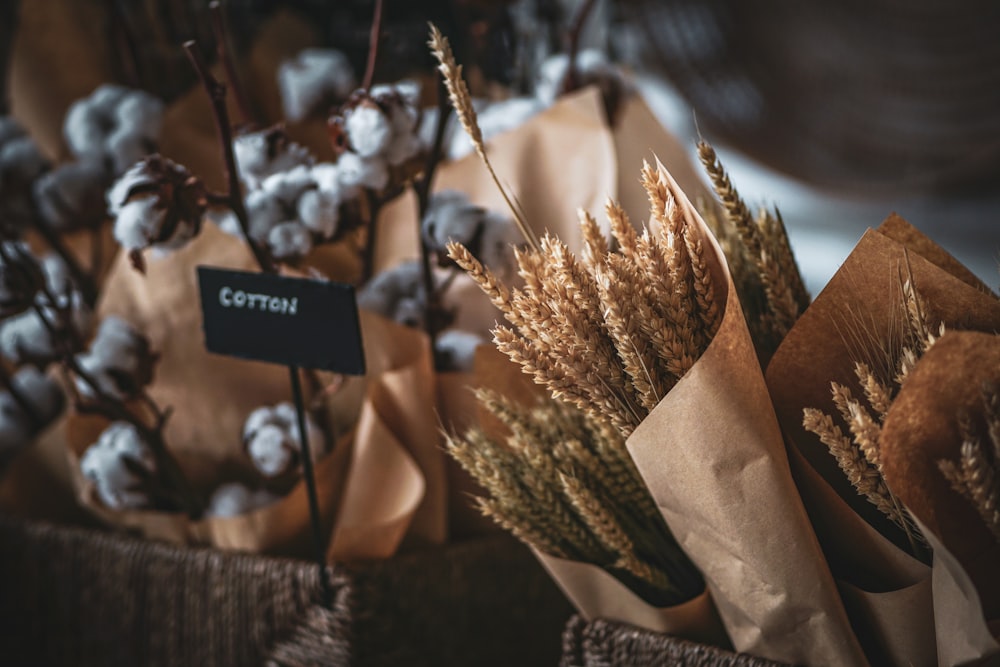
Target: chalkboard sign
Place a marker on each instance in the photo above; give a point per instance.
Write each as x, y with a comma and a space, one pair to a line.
292, 321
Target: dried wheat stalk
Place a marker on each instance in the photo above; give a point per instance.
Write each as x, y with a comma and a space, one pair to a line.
461, 101
564, 484
977, 473
760, 258
614, 332
858, 454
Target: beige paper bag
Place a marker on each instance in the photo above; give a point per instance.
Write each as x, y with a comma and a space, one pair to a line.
712, 455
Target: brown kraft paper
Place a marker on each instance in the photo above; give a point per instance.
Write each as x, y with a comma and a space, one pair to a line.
882, 581
712, 456
398, 483
597, 594
562, 159
958, 613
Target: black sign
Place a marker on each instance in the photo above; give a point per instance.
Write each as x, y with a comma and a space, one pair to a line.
283, 320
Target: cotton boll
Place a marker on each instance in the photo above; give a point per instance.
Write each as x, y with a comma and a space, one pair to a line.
289, 185
139, 223
104, 464
25, 339
270, 436
260, 154
158, 204
319, 211
410, 312
83, 135
407, 90
119, 361
20, 279
312, 78
140, 114
106, 97
21, 162
368, 130
271, 450
41, 391
456, 350
382, 293
264, 212
125, 147
71, 196
451, 217
235, 499
289, 241
357, 172
499, 234
403, 147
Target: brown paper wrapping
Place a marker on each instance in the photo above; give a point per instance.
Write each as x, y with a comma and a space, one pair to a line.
881, 580
398, 480
563, 159
597, 594
965, 636
395, 446
711, 453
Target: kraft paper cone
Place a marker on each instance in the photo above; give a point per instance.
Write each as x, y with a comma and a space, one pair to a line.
397, 485
597, 594
822, 347
281, 528
712, 456
382, 495
964, 635
558, 161
60, 54
561, 159
902, 635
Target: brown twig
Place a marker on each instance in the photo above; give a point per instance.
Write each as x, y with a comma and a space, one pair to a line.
573, 35
124, 40
374, 38
86, 281
217, 94
220, 34
422, 188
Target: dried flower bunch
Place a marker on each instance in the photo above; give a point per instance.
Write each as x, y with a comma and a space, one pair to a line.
563, 483
767, 279
889, 359
611, 332
976, 475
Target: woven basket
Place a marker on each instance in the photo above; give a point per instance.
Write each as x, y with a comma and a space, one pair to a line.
602, 643
78, 597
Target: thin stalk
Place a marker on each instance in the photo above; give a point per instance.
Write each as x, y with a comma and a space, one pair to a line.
422, 188
217, 94
374, 37
220, 34
84, 280
573, 35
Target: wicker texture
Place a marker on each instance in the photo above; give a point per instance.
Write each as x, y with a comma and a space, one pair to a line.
602, 643
79, 597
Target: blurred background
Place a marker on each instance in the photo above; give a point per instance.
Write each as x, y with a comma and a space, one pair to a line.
838, 113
